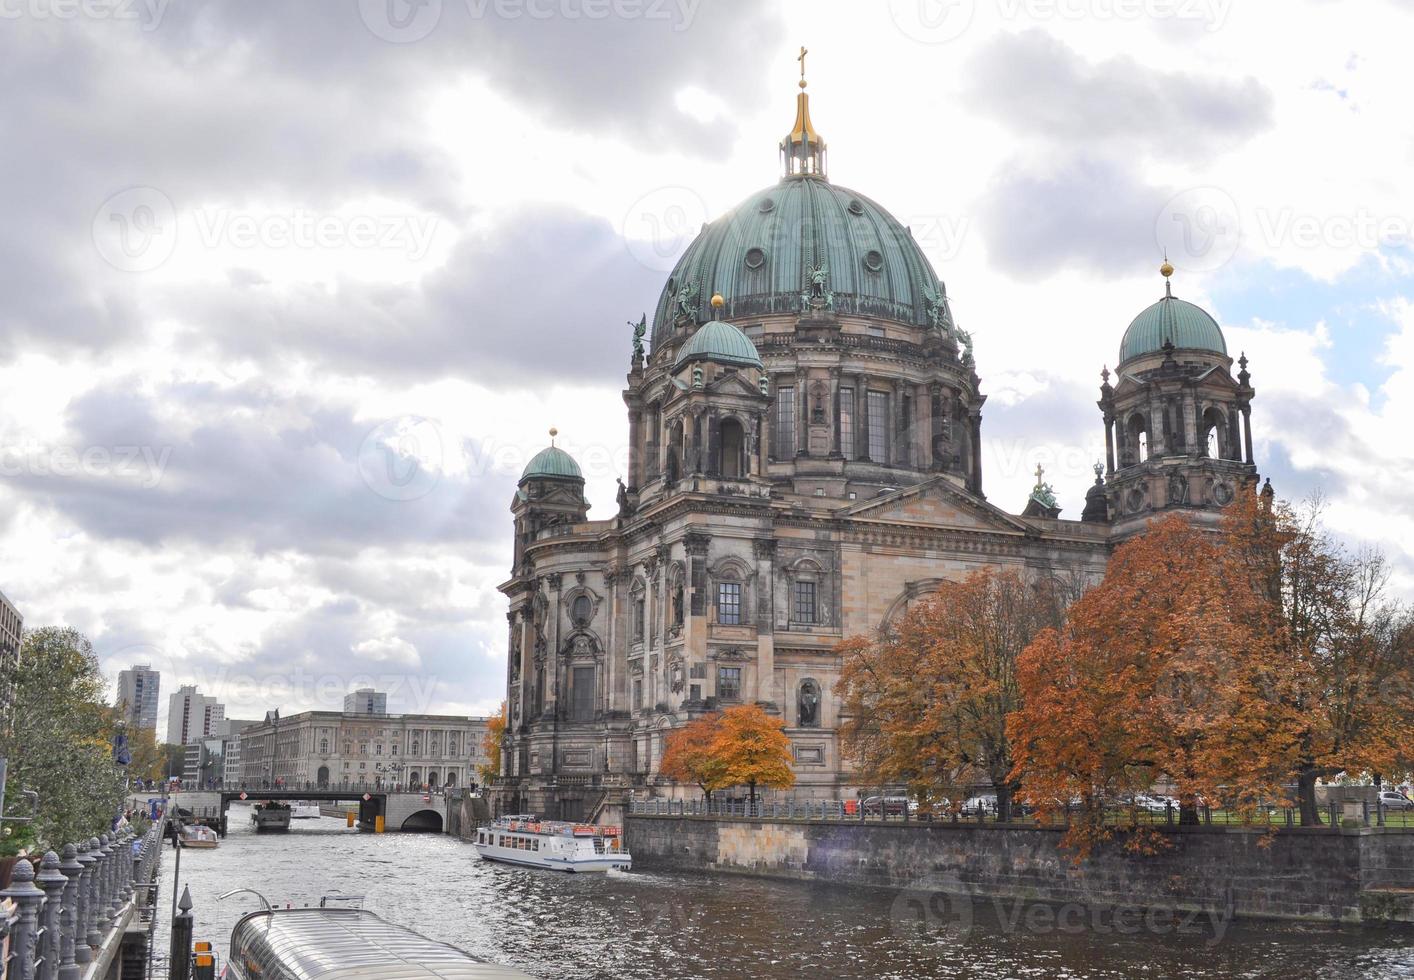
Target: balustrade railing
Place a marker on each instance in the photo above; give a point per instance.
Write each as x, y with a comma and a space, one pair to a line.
1333, 816
65, 911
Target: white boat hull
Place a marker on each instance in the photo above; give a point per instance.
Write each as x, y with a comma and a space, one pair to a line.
555, 862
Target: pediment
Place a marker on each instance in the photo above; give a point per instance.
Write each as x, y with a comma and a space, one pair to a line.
938, 503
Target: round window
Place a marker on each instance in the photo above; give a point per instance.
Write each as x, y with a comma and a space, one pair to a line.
755, 258
855, 206
873, 260
767, 205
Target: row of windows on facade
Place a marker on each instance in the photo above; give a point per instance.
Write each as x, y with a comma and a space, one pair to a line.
378, 747
804, 606
728, 685
875, 443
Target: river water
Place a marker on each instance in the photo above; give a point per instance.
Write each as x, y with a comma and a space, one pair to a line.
657, 925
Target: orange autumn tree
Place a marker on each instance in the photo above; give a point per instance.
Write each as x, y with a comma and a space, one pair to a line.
491, 744
688, 755
926, 704
1156, 672
1347, 647
753, 749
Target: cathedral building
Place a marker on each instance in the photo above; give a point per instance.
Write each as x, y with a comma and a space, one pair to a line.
805, 462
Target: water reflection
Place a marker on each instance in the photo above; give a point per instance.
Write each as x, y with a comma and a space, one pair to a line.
649, 924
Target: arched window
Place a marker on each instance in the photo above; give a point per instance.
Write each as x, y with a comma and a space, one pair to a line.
1214, 435
731, 449
323, 746
1137, 445
582, 610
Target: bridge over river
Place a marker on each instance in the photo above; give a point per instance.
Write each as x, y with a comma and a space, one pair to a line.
401, 810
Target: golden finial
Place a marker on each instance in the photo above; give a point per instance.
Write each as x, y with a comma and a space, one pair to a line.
717, 301
1166, 269
803, 52
553, 433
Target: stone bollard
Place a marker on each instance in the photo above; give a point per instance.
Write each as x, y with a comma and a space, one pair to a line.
24, 930
92, 935
82, 946
115, 898
52, 880
71, 954
103, 910
179, 953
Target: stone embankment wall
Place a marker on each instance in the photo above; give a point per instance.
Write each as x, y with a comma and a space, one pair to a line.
1346, 876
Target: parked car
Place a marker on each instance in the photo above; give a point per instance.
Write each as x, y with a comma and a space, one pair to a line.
1395, 801
979, 804
891, 806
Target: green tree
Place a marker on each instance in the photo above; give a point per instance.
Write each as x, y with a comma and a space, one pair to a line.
59, 743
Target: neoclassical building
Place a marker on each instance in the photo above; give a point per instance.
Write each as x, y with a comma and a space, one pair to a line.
805, 462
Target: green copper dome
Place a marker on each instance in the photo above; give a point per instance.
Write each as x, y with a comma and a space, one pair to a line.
1190, 327
552, 462
720, 342
761, 254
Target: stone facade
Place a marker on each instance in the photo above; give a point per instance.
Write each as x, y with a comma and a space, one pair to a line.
330, 748
799, 475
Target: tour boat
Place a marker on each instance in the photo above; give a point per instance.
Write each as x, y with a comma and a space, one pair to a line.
272, 816
348, 943
198, 837
305, 811
560, 846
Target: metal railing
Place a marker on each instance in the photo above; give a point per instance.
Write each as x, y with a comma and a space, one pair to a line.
1333, 816
66, 911
256, 787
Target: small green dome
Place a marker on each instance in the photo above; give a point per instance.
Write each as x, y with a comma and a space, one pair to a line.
1189, 326
552, 462
720, 342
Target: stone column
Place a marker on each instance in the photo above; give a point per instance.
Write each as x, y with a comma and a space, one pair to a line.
635, 448
923, 427
1247, 430
975, 418
802, 412
1109, 445
764, 616
861, 417
552, 647
835, 402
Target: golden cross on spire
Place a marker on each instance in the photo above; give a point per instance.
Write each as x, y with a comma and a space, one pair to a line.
803, 52
1039, 474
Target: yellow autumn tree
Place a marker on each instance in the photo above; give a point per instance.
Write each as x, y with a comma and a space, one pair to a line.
491, 745
753, 749
689, 756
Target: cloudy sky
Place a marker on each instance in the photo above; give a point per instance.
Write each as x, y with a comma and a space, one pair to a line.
291, 291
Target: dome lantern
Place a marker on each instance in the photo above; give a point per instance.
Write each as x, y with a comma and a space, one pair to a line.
803, 148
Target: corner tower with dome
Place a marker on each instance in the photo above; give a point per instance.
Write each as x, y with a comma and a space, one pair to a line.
804, 462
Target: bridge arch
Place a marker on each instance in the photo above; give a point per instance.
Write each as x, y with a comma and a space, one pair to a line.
423, 821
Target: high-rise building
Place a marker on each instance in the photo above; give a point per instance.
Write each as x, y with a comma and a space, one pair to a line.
366, 701
138, 687
192, 716
12, 626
